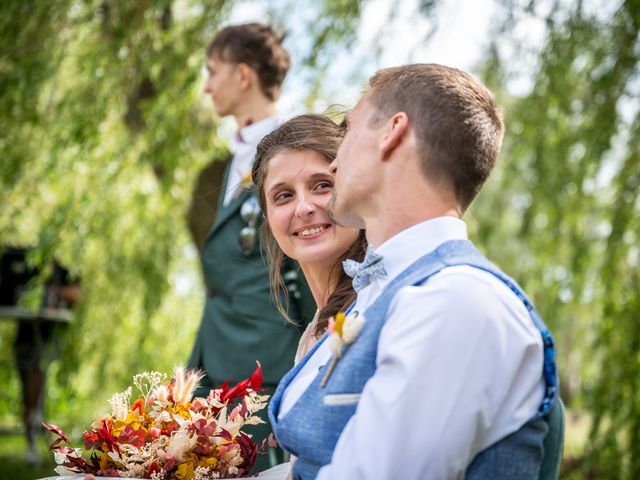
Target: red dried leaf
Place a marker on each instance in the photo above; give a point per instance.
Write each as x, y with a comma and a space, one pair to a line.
170, 463
91, 440
153, 468
224, 434
56, 431
254, 382
106, 438
132, 437
256, 378
248, 451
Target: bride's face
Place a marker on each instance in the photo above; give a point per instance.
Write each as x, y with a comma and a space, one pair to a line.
297, 188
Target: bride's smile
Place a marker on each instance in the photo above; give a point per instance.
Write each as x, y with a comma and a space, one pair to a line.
311, 231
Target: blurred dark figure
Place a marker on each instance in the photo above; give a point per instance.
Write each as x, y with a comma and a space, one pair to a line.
34, 344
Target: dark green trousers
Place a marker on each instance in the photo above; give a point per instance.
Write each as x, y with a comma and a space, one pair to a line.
273, 455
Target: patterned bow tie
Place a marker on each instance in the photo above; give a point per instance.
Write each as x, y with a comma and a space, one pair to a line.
362, 273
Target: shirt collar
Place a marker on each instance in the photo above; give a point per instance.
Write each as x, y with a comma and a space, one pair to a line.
406, 247
252, 134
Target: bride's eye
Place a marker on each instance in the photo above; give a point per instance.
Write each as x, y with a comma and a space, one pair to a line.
281, 197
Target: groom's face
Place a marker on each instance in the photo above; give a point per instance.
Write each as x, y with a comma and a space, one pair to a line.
356, 166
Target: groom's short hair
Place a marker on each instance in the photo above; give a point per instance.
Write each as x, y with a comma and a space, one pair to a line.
258, 46
455, 118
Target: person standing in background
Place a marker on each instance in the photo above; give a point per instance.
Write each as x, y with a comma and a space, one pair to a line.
36, 342
246, 66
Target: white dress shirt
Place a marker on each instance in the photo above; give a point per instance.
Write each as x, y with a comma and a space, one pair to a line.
458, 367
243, 147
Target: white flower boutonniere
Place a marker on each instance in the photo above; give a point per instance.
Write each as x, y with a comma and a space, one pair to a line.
343, 330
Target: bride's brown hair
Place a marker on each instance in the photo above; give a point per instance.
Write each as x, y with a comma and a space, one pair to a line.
319, 134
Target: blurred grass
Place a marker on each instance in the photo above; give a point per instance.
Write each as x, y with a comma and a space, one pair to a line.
576, 435
13, 463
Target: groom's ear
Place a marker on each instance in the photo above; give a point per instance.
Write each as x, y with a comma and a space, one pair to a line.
393, 133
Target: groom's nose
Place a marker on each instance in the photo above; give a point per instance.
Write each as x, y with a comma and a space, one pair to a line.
333, 167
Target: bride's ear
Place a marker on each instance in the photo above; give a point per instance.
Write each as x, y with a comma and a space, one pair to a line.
393, 133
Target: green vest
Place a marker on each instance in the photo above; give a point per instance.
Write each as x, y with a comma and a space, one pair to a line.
240, 323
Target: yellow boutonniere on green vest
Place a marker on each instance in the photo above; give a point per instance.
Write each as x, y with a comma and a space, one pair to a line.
246, 180
343, 331
245, 184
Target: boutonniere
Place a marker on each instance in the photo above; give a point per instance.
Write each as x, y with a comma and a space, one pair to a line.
343, 331
247, 182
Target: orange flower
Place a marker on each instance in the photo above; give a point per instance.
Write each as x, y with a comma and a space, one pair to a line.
138, 405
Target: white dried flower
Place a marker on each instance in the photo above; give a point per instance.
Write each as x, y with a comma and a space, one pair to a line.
352, 326
180, 421
128, 449
202, 473
254, 420
336, 345
134, 471
162, 394
192, 383
147, 382
61, 458
120, 404
181, 442
66, 472
99, 422
163, 417
178, 383
116, 457
185, 384
255, 402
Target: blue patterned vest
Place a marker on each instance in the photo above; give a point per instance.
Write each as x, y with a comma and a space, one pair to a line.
310, 430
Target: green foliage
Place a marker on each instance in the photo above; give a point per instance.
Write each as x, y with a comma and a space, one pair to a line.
104, 129
566, 197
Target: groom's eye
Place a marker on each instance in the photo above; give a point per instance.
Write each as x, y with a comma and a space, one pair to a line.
324, 185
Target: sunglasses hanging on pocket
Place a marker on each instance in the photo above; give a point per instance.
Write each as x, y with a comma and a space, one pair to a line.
250, 213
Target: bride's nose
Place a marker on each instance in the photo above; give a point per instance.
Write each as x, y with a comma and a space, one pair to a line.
304, 207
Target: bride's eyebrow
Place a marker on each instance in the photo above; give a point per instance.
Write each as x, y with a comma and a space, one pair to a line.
276, 186
312, 178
